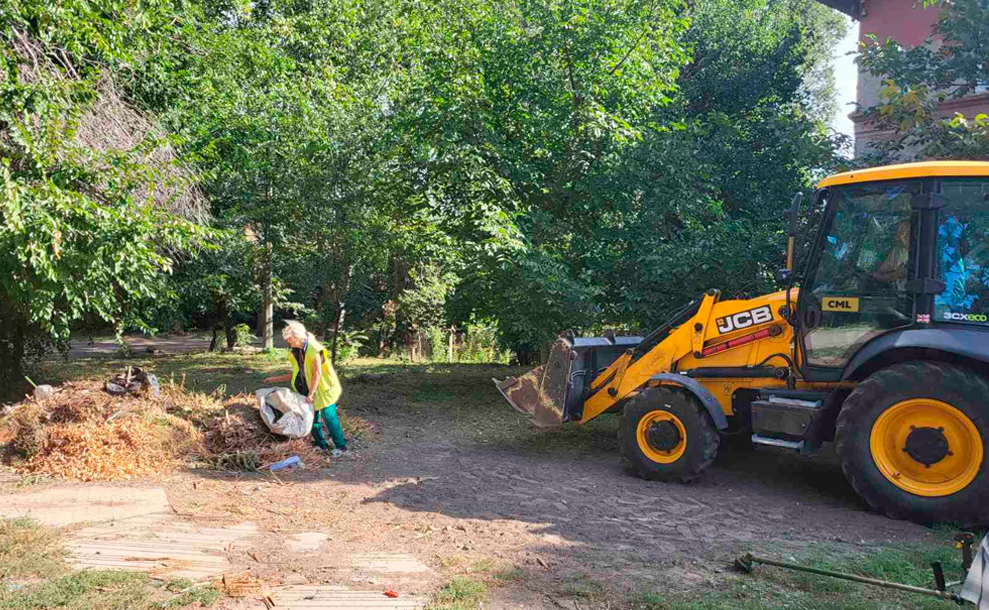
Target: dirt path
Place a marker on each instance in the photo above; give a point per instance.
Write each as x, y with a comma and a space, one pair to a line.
169, 344
555, 520
461, 483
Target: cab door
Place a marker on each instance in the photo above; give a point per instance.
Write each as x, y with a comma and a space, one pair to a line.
855, 282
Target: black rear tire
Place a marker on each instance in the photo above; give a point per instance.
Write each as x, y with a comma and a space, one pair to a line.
960, 389
696, 431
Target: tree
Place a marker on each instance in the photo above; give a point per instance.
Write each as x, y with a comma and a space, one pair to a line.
917, 80
674, 181
93, 203
742, 136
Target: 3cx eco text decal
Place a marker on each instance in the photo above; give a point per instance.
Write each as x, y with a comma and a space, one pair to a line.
964, 317
744, 319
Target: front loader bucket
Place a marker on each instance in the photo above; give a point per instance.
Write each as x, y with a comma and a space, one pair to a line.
554, 393
542, 392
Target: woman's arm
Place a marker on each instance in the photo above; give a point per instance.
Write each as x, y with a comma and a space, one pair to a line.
316, 376
278, 378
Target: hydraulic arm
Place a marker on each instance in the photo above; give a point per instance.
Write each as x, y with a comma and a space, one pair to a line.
586, 377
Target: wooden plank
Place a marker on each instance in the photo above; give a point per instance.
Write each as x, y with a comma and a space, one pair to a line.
383, 563
309, 597
83, 503
161, 544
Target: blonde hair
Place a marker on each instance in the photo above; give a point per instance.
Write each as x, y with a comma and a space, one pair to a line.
294, 329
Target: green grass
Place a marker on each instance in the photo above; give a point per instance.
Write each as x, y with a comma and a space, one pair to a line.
461, 593
230, 373
769, 588
581, 587
29, 550
34, 577
483, 566
510, 575
911, 566
104, 590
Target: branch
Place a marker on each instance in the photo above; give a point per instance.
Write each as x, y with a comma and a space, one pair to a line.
629, 52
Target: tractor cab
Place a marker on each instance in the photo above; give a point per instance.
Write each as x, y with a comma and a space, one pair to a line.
899, 248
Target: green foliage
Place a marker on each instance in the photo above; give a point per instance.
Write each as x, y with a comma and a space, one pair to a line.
244, 335
917, 80
688, 195
349, 344
423, 301
88, 192
481, 344
541, 166
438, 343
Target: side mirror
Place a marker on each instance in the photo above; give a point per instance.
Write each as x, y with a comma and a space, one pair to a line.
792, 230
786, 277
795, 214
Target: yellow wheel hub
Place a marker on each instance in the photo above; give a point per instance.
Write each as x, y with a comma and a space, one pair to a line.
926, 447
661, 437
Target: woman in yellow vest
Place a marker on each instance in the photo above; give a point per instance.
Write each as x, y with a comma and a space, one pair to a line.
318, 383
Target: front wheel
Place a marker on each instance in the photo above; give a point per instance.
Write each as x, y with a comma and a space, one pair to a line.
666, 435
911, 442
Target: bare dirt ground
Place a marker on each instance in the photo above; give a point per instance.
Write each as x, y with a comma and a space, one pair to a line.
463, 492
465, 485
562, 521
169, 344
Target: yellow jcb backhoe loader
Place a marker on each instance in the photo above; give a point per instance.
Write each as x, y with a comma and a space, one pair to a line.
879, 341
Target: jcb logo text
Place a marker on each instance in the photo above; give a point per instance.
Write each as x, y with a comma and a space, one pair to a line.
745, 319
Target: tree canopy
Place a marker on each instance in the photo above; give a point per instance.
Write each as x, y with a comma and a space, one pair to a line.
530, 166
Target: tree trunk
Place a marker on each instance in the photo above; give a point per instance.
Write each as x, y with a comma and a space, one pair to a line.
212, 343
527, 357
403, 326
231, 334
336, 333
267, 305
544, 352
12, 343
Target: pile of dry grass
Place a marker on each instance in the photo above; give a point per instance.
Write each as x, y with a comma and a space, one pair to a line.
82, 432
235, 438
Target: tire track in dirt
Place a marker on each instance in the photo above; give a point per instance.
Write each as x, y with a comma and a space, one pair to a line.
586, 499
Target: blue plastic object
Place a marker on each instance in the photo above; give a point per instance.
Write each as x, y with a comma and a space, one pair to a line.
285, 463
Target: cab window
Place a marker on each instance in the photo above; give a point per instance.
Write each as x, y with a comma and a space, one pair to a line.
963, 252
856, 288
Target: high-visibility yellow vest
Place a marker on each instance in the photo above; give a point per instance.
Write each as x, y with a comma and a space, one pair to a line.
329, 389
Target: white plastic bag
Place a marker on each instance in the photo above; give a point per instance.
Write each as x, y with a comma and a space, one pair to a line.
285, 412
976, 589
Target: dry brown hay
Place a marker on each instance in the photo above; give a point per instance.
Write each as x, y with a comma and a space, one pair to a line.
82, 432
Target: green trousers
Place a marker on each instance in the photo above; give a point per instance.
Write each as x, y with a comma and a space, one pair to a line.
328, 416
